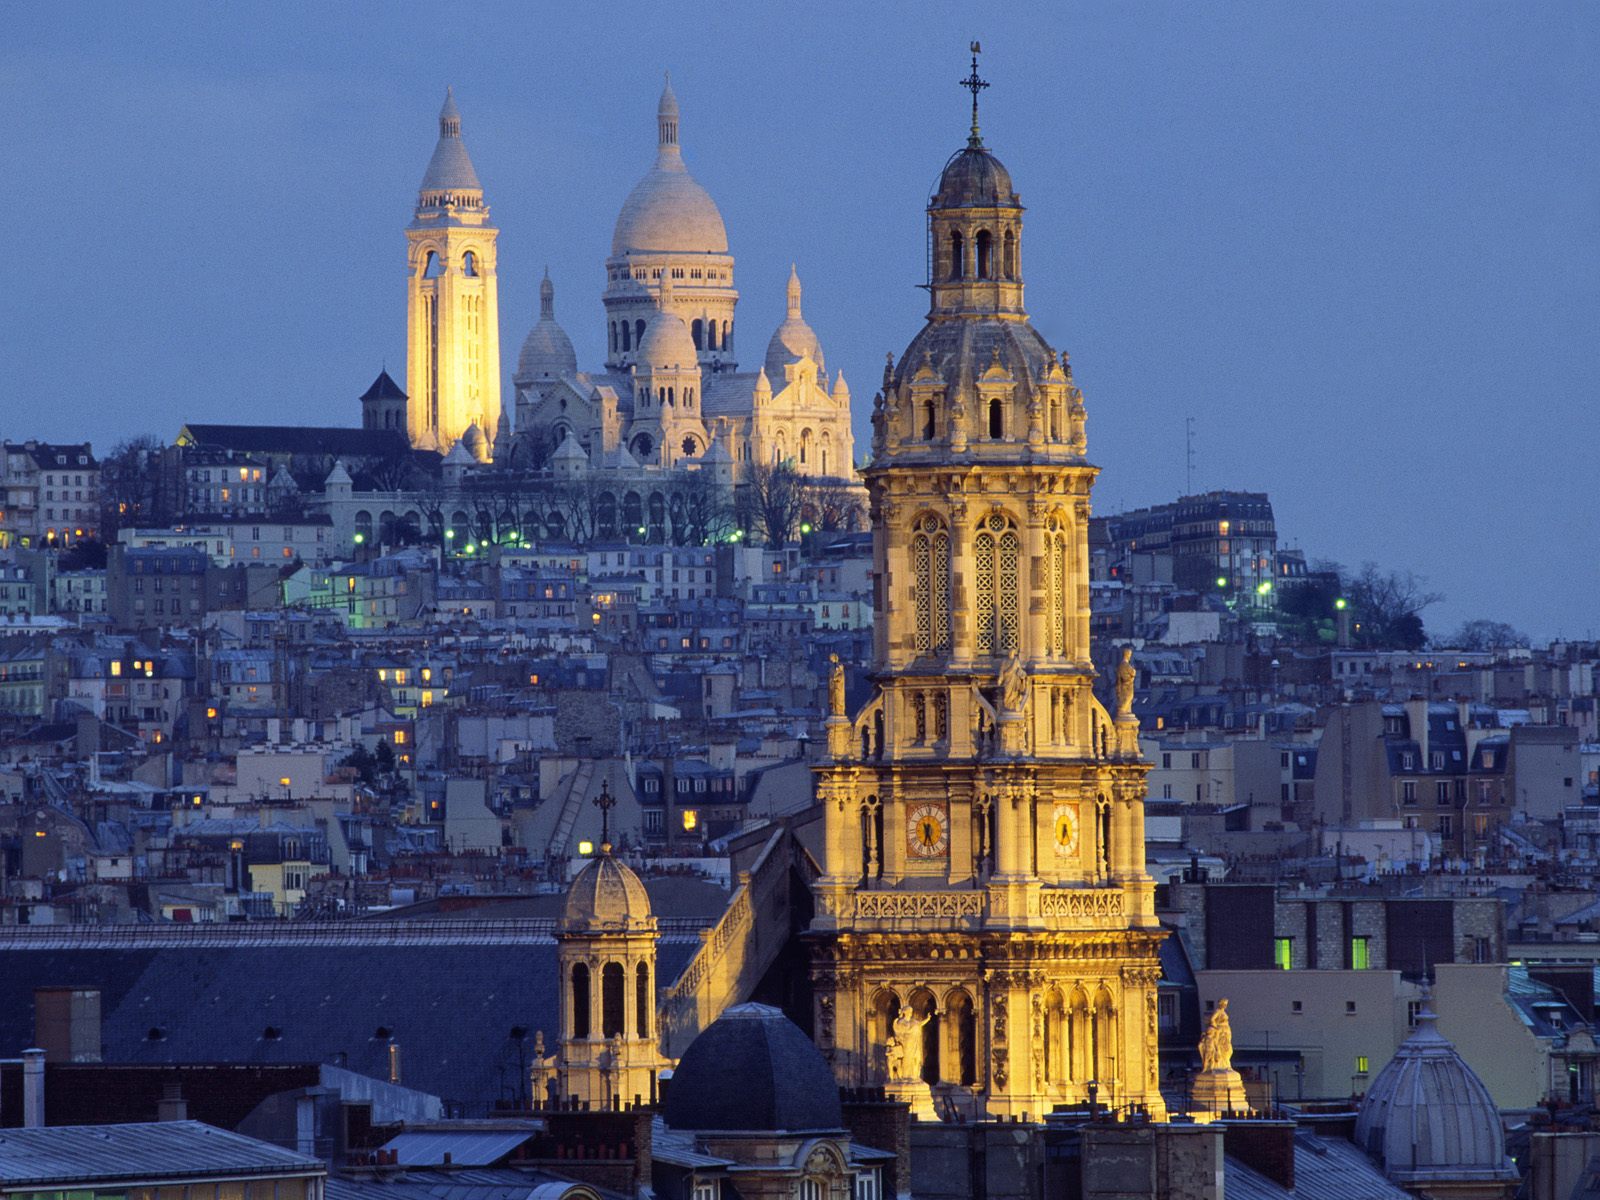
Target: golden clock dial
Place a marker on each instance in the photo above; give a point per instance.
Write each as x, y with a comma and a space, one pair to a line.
927, 831
1066, 830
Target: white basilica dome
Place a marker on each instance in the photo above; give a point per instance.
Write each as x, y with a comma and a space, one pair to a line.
667, 211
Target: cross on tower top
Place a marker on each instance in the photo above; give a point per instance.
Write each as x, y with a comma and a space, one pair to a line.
604, 802
975, 85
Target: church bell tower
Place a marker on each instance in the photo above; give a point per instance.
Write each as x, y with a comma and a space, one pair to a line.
452, 300
984, 819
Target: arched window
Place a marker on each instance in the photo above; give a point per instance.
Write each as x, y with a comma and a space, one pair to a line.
958, 255
727, 334
997, 418
827, 443
1008, 261
688, 397
697, 332
711, 335
641, 1000
960, 1037
627, 337
613, 328
672, 397
1102, 815
469, 265
432, 266
985, 246
606, 515
930, 581
364, 525
805, 446
580, 1000
632, 512
922, 1004
1056, 581
658, 517
613, 1007
995, 552
638, 333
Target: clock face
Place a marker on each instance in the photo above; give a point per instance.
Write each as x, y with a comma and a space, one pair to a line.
1066, 829
927, 831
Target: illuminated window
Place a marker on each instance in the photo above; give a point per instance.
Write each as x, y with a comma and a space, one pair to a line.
585, 849
1362, 1066
1360, 958
1283, 953
427, 674
116, 669
211, 714
399, 737
691, 818
400, 678
427, 699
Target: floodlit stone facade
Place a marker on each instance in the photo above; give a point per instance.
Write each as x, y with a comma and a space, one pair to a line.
984, 858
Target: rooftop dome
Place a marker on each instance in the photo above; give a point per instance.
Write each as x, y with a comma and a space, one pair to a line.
667, 210
450, 167
974, 178
753, 1070
1428, 1117
606, 894
666, 341
475, 442
547, 350
794, 338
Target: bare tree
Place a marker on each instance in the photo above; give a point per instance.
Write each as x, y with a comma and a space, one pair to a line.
699, 509
838, 509
773, 499
1388, 606
1484, 635
130, 486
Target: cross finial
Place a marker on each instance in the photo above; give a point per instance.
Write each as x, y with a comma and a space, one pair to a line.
975, 85
603, 802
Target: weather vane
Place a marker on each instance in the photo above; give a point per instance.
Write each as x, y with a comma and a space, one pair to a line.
975, 85
603, 802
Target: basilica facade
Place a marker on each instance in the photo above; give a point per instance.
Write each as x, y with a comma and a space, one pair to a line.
672, 394
985, 941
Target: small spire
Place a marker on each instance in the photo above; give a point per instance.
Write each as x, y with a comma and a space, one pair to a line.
667, 117
604, 802
666, 287
547, 298
449, 115
794, 293
975, 85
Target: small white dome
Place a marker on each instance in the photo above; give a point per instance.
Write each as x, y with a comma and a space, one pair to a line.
547, 351
793, 339
666, 342
606, 894
667, 211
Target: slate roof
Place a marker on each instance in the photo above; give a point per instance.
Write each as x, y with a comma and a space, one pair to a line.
1324, 1169
753, 1069
503, 1183
383, 388
300, 439
154, 1150
450, 1005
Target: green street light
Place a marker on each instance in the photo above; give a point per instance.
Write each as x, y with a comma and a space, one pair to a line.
1341, 603
360, 537
805, 526
449, 534
1222, 581
470, 548
641, 531
1263, 587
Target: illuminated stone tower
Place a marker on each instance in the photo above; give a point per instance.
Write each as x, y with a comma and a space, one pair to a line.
452, 308
984, 819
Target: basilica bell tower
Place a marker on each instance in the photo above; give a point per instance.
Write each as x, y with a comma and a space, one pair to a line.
983, 811
452, 300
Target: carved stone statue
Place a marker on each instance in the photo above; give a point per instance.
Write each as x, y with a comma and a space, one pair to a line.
1013, 684
1216, 1044
1126, 674
836, 687
905, 1046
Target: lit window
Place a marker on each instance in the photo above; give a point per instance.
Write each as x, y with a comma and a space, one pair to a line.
585, 849
399, 737
283, 781
691, 819
116, 669
1362, 1066
427, 699
1359, 957
1283, 953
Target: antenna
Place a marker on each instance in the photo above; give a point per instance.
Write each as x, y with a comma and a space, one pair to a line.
1188, 456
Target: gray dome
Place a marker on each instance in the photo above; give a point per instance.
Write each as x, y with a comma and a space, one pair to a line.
666, 341
450, 167
667, 211
753, 1070
794, 337
974, 178
547, 350
954, 347
1428, 1117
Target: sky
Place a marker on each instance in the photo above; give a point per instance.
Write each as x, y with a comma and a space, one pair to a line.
1357, 243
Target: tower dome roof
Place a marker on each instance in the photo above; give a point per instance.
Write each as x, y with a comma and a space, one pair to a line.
1427, 1116
450, 166
666, 341
794, 338
974, 178
753, 1070
547, 350
667, 210
606, 895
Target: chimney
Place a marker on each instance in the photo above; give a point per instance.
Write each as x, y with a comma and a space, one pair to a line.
33, 1089
394, 1062
172, 1106
66, 1023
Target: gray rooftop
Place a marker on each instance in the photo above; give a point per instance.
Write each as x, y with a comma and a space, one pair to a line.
155, 1151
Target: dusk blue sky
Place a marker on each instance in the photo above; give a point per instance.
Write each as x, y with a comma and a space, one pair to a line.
1358, 243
